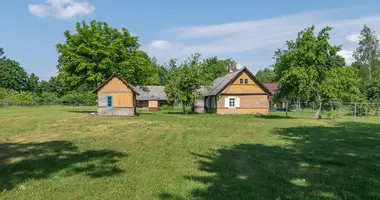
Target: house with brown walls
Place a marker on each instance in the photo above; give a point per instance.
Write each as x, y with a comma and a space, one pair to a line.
238, 92
151, 97
116, 97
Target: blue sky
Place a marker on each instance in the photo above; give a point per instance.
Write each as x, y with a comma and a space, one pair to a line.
248, 31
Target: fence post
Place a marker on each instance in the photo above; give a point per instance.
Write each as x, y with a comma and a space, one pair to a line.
355, 111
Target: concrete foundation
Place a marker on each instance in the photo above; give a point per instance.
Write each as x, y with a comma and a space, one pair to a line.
117, 111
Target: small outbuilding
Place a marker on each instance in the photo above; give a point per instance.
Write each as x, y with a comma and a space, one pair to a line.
151, 97
116, 97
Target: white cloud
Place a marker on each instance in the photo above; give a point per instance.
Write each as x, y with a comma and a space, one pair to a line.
62, 9
347, 55
163, 49
354, 38
258, 38
38, 10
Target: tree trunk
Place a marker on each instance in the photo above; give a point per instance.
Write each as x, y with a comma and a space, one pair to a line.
370, 71
184, 107
316, 115
192, 108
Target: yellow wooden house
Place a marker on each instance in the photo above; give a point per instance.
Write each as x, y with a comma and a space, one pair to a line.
238, 92
116, 97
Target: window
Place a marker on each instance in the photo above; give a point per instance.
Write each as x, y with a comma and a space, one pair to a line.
245, 81
109, 101
232, 102
241, 81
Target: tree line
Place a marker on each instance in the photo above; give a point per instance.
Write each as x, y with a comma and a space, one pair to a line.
92, 54
308, 69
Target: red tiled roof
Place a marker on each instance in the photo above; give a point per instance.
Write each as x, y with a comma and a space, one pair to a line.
272, 87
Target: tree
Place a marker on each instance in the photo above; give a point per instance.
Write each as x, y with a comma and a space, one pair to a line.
185, 81
266, 75
232, 66
53, 85
96, 51
12, 75
368, 51
32, 83
212, 68
2, 57
305, 68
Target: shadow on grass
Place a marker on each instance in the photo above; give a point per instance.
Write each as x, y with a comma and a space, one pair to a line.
273, 116
144, 113
337, 162
180, 113
83, 111
22, 161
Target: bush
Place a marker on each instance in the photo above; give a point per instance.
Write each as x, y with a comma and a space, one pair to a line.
25, 99
11, 97
47, 98
5, 97
79, 98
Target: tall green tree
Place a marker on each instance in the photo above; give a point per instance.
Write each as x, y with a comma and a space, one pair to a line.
231, 65
2, 57
12, 75
305, 67
53, 85
212, 68
32, 84
185, 81
368, 51
96, 51
266, 75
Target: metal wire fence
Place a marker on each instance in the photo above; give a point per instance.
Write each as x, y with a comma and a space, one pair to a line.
333, 110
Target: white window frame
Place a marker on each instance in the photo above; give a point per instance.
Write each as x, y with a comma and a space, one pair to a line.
230, 101
236, 102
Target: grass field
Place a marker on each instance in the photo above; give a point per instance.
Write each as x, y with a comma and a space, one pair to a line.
63, 153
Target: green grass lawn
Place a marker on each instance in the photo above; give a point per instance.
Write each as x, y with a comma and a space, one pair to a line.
64, 153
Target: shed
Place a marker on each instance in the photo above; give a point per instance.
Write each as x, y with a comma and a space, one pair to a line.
116, 97
151, 97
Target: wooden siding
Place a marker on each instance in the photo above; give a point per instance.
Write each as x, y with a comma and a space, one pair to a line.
247, 101
120, 99
225, 111
153, 104
236, 87
122, 95
115, 85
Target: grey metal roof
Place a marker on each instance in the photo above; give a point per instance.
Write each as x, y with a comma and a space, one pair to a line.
152, 93
221, 82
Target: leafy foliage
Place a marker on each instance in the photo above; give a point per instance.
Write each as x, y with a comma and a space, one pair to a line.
32, 84
307, 67
47, 98
185, 81
2, 57
368, 51
96, 51
266, 75
212, 68
53, 85
79, 98
12, 75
